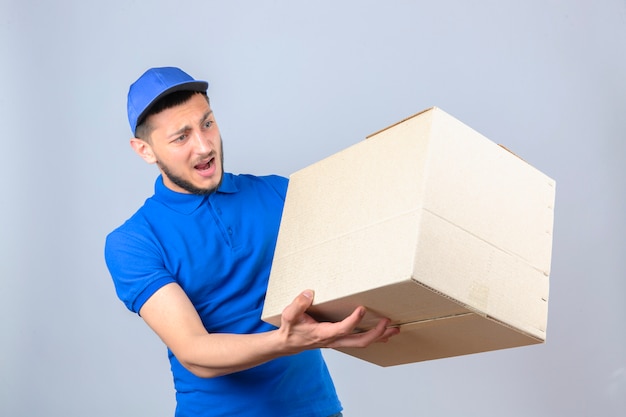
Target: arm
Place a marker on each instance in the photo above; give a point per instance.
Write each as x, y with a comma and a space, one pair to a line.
170, 313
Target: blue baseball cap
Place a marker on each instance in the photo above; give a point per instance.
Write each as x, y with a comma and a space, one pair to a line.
154, 84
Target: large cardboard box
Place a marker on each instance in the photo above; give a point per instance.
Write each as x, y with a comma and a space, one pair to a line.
426, 222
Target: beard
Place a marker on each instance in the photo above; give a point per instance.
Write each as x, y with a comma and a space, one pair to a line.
186, 185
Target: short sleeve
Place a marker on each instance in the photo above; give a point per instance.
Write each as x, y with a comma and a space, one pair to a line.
136, 266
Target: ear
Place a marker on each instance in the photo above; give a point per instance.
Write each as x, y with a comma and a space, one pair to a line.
143, 149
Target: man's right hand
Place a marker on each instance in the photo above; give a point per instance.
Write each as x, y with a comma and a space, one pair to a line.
300, 331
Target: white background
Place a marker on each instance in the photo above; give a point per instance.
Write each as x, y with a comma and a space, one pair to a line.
291, 83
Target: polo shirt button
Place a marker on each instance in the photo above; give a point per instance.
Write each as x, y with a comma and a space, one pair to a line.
219, 211
230, 231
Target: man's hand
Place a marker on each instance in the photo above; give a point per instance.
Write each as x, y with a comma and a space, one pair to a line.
300, 331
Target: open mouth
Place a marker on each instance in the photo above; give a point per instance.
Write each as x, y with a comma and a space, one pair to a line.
203, 166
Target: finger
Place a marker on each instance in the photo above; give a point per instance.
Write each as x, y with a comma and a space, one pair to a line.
364, 339
343, 328
298, 306
352, 321
389, 333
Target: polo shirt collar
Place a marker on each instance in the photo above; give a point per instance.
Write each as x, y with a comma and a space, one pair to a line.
187, 203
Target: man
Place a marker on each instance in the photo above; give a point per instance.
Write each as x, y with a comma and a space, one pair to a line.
194, 262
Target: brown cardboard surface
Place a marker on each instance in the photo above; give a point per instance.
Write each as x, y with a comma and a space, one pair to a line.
441, 338
428, 223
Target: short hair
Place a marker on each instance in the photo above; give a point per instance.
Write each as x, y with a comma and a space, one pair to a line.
144, 130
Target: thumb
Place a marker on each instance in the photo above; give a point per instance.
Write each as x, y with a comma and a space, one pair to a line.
308, 295
298, 306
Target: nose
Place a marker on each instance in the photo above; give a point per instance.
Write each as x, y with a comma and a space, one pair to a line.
202, 143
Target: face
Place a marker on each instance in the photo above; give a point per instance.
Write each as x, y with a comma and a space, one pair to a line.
186, 145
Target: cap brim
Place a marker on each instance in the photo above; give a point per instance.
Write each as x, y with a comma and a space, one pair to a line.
199, 86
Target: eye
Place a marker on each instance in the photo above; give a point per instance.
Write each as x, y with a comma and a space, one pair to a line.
208, 124
180, 138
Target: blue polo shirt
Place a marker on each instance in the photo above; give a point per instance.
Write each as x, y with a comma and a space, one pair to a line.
219, 249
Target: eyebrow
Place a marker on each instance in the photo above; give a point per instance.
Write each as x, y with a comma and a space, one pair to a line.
187, 127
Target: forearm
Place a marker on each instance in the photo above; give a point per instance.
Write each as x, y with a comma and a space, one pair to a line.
172, 316
217, 354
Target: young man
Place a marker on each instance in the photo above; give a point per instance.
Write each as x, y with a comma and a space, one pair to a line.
194, 262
